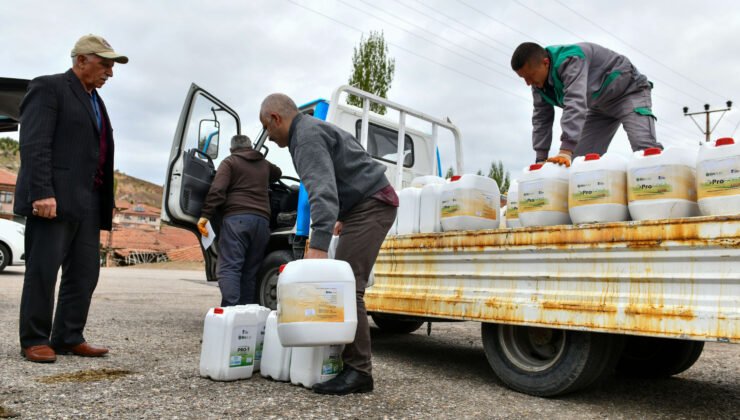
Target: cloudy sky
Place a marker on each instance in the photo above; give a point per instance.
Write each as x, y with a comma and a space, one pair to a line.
451, 60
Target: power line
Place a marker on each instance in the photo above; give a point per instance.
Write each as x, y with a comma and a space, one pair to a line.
459, 23
496, 20
580, 37
450, 68
507, 75
610, 33
532, 37
733, 131
428, 32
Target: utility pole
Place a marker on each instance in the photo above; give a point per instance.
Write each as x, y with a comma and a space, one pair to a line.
706, 111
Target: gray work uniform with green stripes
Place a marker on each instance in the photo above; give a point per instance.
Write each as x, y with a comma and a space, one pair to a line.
598, 89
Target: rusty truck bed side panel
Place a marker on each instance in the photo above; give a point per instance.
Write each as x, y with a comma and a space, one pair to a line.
671, 278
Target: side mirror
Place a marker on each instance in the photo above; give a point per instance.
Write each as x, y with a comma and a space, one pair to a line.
208, 137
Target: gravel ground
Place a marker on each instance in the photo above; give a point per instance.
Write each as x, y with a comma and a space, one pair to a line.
152, 321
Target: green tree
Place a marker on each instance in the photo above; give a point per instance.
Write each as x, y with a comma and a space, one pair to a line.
372, 70
9, 145
450, 172
500, 175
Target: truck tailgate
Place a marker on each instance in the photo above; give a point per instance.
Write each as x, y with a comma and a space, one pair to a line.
667, 278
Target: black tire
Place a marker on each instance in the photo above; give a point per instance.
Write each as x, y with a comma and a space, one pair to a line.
394, 324
267, 277
5, 257
654, 357
548, 362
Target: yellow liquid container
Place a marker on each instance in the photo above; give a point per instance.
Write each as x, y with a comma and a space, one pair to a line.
316, 303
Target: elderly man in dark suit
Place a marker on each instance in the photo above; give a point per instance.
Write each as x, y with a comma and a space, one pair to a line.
65, 190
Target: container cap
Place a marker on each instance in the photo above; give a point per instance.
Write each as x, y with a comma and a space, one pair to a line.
282, 267
218, 310
592, 156
724, 141
535, 166
652, 151
455, 177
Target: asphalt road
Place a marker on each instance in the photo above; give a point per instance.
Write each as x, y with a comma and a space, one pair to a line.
152, 321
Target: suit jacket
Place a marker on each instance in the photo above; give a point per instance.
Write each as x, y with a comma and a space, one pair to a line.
60, 150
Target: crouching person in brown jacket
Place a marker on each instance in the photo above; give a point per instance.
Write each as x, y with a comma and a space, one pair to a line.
239, 192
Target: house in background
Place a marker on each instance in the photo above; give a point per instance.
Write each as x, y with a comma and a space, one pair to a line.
7, 194
136, 215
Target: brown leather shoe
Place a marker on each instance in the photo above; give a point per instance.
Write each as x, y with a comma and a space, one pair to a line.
39, 354
83, 349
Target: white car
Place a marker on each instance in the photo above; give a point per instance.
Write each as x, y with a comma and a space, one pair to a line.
12, 243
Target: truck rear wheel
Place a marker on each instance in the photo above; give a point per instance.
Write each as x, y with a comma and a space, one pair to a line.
658, 357
395, 324
547, 362
267, 277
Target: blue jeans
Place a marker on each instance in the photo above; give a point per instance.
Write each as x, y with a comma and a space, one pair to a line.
241, 247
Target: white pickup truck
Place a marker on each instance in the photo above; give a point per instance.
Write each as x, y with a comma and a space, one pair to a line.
560, 307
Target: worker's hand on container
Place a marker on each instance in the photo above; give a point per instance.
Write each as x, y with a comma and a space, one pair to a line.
202, 226
563, 158
337, 228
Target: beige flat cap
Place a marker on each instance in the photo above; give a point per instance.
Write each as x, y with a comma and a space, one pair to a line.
93, 44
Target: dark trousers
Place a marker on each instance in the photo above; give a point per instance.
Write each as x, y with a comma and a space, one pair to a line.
241, 249
363, 231
75, 246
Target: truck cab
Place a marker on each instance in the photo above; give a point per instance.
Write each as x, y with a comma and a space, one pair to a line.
202, 140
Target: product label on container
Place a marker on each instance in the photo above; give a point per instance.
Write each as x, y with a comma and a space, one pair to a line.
476, 203
544, 195
664, 181
719, 178
301, 302
332, 363
242, 346
512, 210
598, 187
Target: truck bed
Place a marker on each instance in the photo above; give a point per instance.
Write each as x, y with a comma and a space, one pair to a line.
675, 278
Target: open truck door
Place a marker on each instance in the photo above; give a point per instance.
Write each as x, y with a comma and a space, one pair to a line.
202, 140
12, 92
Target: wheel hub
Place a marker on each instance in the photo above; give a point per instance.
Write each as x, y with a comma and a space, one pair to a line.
532, 349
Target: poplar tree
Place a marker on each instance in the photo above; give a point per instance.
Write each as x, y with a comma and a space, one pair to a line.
372, 70
500, 175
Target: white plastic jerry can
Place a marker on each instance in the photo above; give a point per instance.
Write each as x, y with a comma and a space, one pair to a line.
718, 178
421, 181
662, 184
229, 342
512, 205
543, 195
275, 357
262, 313
311, 365
598, 189
470, 202
408, 211
429, 208
316, 303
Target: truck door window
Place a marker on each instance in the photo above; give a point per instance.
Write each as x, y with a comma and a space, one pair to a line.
210, 130
382, 143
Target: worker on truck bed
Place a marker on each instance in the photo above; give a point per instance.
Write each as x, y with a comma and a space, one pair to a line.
597, 88
349, 196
